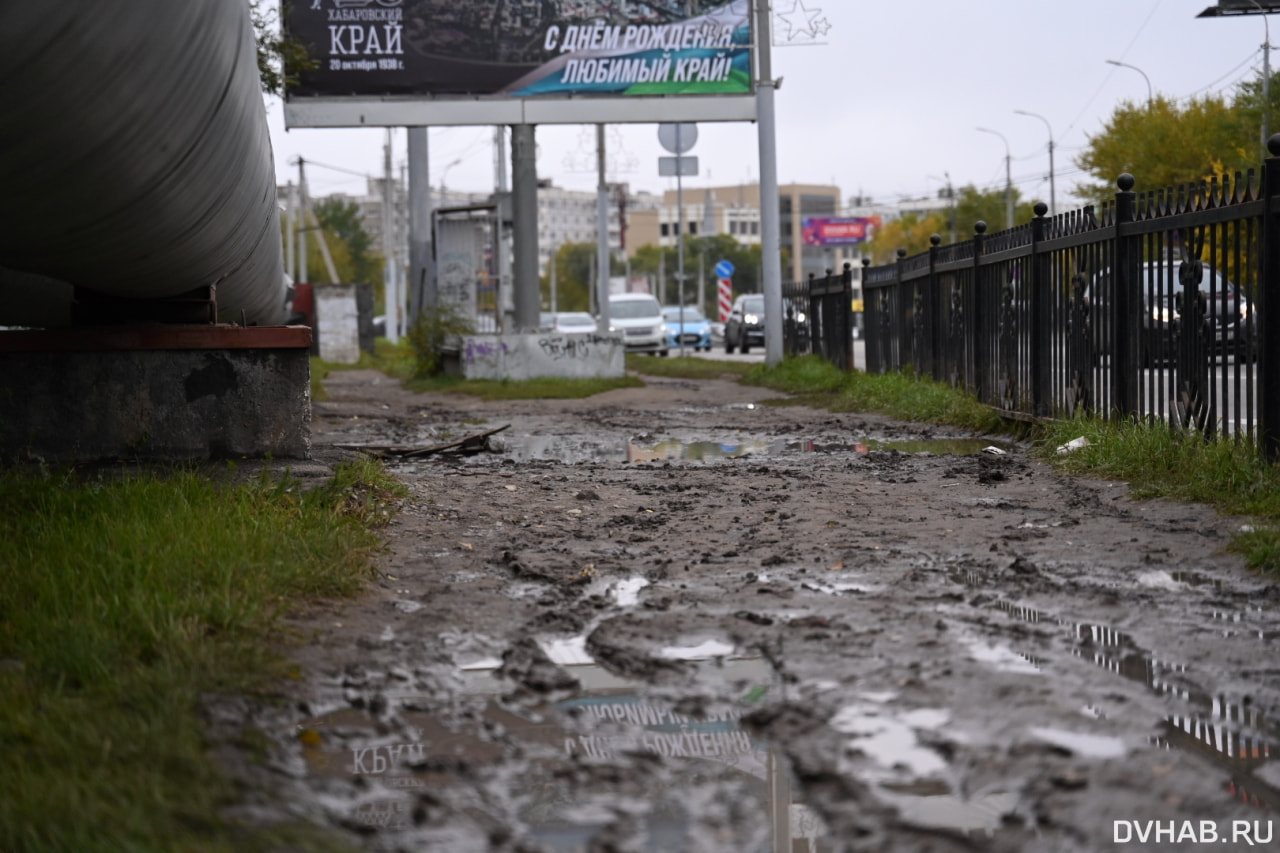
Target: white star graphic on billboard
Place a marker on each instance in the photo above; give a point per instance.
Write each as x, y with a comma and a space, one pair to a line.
798, 23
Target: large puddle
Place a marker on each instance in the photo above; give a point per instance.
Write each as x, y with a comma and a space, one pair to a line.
692, 780
676, 774
571, 449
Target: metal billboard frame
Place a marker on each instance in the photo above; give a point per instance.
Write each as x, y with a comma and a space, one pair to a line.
439, 109
410, 111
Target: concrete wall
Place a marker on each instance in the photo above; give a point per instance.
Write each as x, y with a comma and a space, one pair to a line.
537, 356
337, 323
62, 401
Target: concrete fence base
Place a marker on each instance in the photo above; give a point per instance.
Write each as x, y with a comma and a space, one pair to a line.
172, 393
537, 356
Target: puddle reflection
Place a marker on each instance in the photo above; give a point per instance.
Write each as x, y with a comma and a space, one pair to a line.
698, 777
1233, 734
935, 446
571, 449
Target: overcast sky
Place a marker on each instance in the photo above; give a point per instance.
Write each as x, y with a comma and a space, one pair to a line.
887, 107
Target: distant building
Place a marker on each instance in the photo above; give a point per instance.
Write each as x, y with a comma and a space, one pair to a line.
922, 206
569, 216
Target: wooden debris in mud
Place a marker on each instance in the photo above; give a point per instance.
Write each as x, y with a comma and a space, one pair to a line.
468, 444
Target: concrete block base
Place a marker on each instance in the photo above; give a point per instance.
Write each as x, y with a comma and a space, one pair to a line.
171, 393
539, 356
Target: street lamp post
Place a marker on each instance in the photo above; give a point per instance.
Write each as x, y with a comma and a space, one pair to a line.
1053, 201
1266, 76
1008, 176
1150, 96
951, 203
1236, 9
444, 173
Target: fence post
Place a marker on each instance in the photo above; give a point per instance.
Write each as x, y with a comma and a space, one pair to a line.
1041, 276
932, 311
1269, 307
973, 310
817, 343
1127, 302
846, 314
900, 311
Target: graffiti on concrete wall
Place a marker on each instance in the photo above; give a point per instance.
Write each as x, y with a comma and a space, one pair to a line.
476, 350
560, 347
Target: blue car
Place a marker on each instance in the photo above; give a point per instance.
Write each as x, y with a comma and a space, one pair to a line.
696, 331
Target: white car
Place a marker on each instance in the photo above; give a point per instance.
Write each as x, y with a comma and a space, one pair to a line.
574, 323
638, 316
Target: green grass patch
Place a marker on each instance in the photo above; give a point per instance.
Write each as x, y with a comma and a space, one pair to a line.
525, 389
1227, 474
688, 367
122, 602
817, 382
395, 360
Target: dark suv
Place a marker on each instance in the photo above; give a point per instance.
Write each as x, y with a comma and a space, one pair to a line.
1226, 310
745, 326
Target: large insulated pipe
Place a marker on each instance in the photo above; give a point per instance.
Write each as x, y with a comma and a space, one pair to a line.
135, 159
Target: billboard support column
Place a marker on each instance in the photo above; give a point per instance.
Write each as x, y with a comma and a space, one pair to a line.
390, 273
602, 236
422, 290
524, 202
770, 215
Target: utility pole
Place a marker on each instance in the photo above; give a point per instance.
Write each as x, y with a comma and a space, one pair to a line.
1232, 9
1266, 79
951, 201
302, 231
291, 233
1053, 198
390, 276
770, 213
1008, 177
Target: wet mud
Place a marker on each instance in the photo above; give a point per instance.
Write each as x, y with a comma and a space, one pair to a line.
676, 618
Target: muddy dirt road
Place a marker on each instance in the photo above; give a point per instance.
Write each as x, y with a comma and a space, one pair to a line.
671, 618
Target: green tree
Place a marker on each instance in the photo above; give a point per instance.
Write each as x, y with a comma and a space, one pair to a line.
974, 206
1164, 144
279, 58
1249, 103
911, 232
340, 219
574, 267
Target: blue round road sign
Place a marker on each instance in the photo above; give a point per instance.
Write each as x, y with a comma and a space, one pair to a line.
724, 269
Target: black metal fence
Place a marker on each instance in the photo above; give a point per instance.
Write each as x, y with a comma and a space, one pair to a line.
1154, 305
817, 318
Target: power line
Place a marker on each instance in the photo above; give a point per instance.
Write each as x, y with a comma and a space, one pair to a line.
1246, 61
336, 168
1107, 79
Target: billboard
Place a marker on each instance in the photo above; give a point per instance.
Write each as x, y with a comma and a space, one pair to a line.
1241, 7
839, 231
547, 48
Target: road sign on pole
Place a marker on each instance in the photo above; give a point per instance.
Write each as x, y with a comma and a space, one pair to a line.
678, 138
724, 272
677, 167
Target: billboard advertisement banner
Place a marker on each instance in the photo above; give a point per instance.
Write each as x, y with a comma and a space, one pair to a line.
839, 231
522, 50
